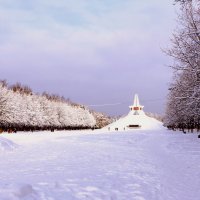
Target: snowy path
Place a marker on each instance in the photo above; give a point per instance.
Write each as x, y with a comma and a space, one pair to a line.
139, 165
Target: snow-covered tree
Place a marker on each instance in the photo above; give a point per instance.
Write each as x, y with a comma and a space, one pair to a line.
183, 107
155, 116
102, 119
4, 106
21, 109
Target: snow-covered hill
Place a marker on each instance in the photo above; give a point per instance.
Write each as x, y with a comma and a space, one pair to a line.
146, 165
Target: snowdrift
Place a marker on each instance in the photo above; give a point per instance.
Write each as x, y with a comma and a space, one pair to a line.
7, 145
19, 191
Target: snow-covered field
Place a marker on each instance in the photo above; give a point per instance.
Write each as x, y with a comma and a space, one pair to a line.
136, 165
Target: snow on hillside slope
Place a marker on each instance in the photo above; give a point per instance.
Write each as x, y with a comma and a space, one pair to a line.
139, 165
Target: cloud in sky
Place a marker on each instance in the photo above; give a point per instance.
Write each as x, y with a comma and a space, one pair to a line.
92, 51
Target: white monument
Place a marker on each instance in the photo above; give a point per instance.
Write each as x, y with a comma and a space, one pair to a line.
136, 119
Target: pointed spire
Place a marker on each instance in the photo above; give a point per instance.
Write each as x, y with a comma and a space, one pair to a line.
136, 101
136, 105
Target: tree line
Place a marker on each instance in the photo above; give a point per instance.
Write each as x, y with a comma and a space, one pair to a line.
23, 110
183, 105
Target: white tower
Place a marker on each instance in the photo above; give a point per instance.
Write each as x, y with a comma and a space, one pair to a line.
136, 107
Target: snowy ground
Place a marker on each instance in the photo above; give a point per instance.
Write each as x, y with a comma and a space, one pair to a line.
137, 165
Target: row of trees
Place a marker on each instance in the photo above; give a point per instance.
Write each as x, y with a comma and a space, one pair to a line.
102, 119
21, 109
183, 107
155, 116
